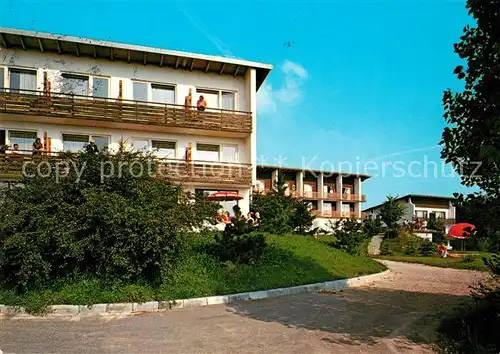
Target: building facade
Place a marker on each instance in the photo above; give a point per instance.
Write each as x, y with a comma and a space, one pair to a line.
69, 91
420, 208
332, 195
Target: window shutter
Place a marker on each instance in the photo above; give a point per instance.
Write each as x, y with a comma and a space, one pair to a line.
2, 137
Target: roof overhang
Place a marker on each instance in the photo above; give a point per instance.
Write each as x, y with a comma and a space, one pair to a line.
47, 42
325, 172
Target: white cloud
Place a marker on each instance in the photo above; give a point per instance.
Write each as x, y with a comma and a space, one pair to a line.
270, 99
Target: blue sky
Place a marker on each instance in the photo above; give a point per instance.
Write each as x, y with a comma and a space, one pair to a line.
354, 81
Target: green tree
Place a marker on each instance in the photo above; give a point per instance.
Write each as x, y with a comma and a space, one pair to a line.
128, 226
391, 212
438, 229
281, 213
471, 144
471, 139
301, 219
372, 227
349, 235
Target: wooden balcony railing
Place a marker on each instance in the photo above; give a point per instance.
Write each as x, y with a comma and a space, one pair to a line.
332, 196
11, 165
309, 195
63, 105
354, 197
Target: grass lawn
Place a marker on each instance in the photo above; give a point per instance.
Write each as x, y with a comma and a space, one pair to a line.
436, 261
289, 260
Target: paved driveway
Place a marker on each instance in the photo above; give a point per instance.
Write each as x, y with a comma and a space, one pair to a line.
395, 315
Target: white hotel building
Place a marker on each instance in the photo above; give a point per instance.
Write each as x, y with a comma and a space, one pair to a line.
68, 91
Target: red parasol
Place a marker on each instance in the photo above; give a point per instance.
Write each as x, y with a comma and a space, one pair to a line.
461, 231
225, 196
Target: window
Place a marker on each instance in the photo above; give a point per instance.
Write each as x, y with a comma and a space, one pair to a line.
100, 87
346, 209
229, 153
165, 149
218, 99
227, 99
163, 94
140, 91
102, 142
74, 143
212, 98
421, 214
140, 145
207, 152
22, 80
75, 85
440, 215
24, 139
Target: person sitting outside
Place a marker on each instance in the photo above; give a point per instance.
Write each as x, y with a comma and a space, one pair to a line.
250, 219
37, 147
15, 150
201, 105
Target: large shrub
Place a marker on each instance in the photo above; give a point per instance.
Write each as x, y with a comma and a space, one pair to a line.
238, 243
372, 227
96, 220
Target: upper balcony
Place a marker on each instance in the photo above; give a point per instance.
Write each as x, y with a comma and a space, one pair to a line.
80, 108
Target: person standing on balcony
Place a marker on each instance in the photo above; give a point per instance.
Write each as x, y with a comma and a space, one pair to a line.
201, 105
37, 147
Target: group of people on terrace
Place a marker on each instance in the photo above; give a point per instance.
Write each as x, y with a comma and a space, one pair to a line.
224, 217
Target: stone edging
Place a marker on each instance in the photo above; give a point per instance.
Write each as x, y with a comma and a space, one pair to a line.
335, 285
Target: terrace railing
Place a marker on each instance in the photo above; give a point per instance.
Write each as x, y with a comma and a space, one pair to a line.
197, 171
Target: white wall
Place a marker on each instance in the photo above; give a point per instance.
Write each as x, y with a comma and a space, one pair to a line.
55, 133
56, 64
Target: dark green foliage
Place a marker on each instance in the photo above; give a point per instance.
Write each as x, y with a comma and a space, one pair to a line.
474, 328
391, 233
301, 218
372, 227
238, 243
427, 248
387, 247
126, 227
437, 225
281, 213
471, 143
391, 212
349, 235
406, 244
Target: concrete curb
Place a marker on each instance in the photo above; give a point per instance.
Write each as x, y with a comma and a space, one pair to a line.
126, 308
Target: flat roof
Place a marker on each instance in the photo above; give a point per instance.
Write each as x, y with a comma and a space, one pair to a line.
296, 169
412, 196
79, 46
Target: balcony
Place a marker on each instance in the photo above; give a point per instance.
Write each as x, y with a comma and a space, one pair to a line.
338, 215
353, 197
11, 167
60, 105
